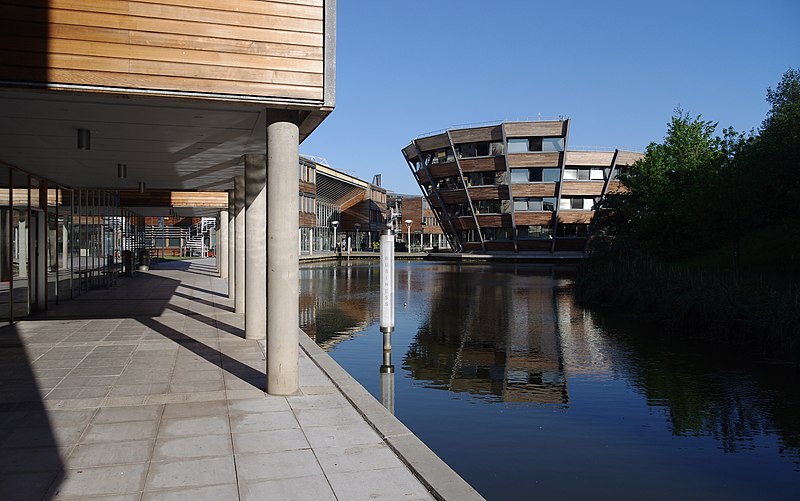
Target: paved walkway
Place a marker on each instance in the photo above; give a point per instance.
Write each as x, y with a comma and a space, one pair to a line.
147, 391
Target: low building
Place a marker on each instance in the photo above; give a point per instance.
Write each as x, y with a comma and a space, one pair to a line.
331, 199
514, 186
417, 222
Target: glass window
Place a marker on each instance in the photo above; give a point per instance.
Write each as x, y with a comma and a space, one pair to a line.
570, 174
535, 204
519, 175
518, 145
535, 175
467, 150
534, 231
482, 149
552, 144
534, 144
583, 174
496, 148
551, 175
597, 175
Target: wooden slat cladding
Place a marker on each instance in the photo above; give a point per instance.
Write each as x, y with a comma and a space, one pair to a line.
410, 152
494, 220
581, 188
433, 142
306, 187
575, 216
493, 133
534, 160
499, 246
628, 157
174, 199
616, 187
454, 197
534, 190
540, 244
439, 171
308, 220
533, 218
262, 49
464, 223
489, 193
422, 177
526, 129
485, 164
590, 158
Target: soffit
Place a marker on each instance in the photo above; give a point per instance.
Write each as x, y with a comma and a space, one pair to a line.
173, 144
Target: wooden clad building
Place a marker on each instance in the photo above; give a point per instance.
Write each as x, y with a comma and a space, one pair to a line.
513, 186
131, 108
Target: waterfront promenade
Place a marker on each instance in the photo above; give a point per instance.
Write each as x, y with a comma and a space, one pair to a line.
148, 391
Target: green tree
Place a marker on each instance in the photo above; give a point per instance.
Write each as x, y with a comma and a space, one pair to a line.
670, 192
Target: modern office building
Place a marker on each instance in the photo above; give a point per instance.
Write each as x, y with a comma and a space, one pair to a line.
514, 186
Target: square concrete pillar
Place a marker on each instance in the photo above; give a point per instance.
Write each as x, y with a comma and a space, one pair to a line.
255, 209
282, 252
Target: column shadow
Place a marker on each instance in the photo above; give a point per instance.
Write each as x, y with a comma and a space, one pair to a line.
30, 459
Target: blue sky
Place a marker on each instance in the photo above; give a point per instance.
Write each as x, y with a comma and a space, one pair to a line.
618, 69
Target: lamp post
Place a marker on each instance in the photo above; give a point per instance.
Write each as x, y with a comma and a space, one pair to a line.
358, 244
408, 223
335, 225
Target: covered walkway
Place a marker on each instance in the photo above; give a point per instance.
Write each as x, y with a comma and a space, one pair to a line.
148, 390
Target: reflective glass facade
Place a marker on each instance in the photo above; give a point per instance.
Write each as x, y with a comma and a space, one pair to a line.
57, 242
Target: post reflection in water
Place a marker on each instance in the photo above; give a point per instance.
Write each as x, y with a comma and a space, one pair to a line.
387, 374
527, 394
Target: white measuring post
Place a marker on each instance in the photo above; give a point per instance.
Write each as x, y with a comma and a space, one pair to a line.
387, 281
387, 318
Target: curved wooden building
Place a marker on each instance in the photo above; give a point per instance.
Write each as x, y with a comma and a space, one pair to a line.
513, 186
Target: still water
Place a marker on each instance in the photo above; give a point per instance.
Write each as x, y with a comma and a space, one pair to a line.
527, 395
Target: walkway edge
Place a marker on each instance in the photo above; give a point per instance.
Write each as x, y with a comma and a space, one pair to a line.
440, 480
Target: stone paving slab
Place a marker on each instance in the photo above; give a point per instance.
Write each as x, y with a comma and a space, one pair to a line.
148, 391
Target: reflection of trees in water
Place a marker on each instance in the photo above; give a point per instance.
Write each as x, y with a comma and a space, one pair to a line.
708, 391
490, 334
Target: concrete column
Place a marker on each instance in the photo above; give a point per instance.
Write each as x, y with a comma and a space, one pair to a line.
231, 245
40, 253
238, 193
65, 257
255, 208
222, 246
282, 254
22, 249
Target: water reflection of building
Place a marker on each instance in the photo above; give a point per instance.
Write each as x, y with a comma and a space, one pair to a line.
335, 303
494, 335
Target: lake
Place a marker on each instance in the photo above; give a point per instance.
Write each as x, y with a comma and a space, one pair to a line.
528, 395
